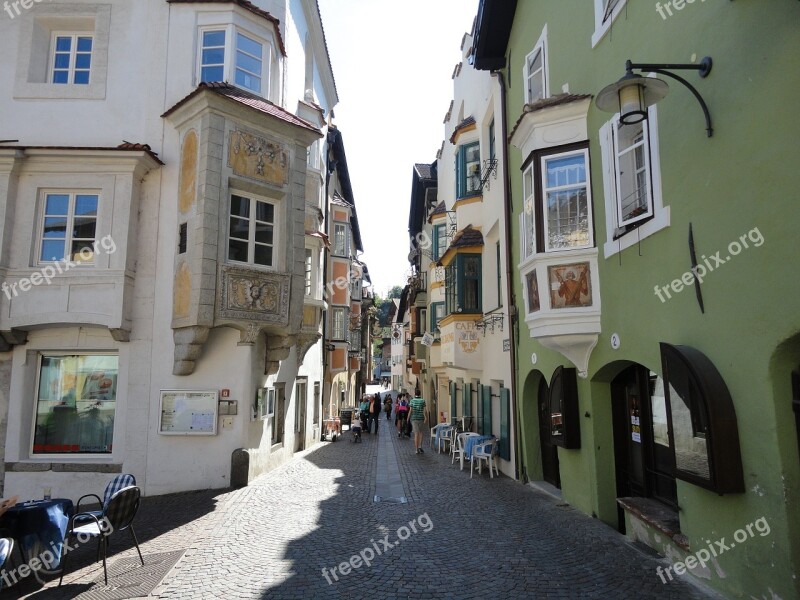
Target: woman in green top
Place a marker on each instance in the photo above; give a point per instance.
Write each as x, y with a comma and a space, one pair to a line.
419, 416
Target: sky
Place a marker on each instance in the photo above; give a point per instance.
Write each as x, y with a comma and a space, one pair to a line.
393, 63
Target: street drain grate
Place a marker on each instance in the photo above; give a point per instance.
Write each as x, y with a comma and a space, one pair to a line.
399, 500
127, 578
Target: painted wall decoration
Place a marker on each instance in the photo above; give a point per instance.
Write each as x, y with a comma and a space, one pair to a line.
570, 285
467, 337
258, 158
253, 295
533, 291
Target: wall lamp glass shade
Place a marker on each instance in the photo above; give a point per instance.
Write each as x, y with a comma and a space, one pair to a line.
630, 97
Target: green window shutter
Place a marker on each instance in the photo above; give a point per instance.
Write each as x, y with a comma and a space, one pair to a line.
487, 410
505, 424
467, 400
452, 399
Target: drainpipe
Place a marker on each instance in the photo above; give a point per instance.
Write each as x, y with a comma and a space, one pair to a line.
330, 167
512, 306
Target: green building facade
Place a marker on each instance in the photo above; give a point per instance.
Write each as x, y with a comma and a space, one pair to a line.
657, 278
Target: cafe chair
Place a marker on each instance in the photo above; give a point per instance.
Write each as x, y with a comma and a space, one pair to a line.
434, 429
458, 452
120, 481
118, 515
484, 451
6, 548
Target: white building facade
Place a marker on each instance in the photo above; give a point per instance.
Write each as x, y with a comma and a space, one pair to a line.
161, 241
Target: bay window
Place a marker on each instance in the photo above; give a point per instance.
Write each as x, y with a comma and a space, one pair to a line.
468, 170
228, 54
439, 241
463, 284
69, 227
338, 318
340, 246
437, 314
251, 232
75, 404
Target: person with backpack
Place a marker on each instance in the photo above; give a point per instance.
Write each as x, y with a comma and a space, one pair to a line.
402, 414
387, 406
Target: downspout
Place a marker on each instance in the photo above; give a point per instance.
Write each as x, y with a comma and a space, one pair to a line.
330, 167
512, 306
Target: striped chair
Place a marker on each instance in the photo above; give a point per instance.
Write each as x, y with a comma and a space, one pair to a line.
120, 481
117, 515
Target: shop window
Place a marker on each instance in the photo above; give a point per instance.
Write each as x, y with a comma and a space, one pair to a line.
75, 404
702, 421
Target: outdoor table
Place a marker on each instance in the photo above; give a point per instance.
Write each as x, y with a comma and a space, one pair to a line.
37, 527
472, 441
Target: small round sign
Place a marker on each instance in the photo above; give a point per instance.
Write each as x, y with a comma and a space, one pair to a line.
615, 342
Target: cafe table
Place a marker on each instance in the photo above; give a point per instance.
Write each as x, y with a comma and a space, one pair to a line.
37, 527
473, 441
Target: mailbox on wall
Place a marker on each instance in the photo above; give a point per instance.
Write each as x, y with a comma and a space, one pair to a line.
565, 426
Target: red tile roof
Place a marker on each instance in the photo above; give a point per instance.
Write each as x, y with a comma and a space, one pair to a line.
248, 99
249, 6
467, 237
463, 125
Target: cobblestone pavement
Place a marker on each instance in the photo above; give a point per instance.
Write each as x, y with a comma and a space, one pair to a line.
479, 538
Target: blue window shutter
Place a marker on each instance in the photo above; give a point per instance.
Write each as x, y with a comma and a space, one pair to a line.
505, 424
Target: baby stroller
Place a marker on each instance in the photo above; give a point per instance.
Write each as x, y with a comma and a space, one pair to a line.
355, 429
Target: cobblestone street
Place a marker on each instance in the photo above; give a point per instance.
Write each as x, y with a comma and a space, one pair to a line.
476, 538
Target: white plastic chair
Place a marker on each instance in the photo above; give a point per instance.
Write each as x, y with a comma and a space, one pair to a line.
459, 448
444, 436
485, 451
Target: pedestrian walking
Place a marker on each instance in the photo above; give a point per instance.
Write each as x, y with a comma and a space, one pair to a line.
419, 416
402, 414
363, 412
374, 412
387, 406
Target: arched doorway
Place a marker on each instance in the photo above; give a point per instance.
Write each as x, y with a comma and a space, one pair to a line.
550, 471
643, 458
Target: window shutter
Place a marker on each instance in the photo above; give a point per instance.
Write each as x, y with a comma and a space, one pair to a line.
487, 410
452, 399
504, 447
467, 400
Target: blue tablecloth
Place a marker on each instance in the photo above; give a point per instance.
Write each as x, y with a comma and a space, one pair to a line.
472, 441
442, 431
39, 527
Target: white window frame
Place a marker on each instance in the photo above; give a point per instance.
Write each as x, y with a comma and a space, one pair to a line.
601, 24
72, 193
645, 144
73, 35
229, 58
338, 323
251, 235
64, 456
528, 216
661, 213
309, 272
542, 165
345, 239
300, 400
541, 46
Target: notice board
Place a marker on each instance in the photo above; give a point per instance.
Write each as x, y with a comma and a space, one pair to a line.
185, 412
